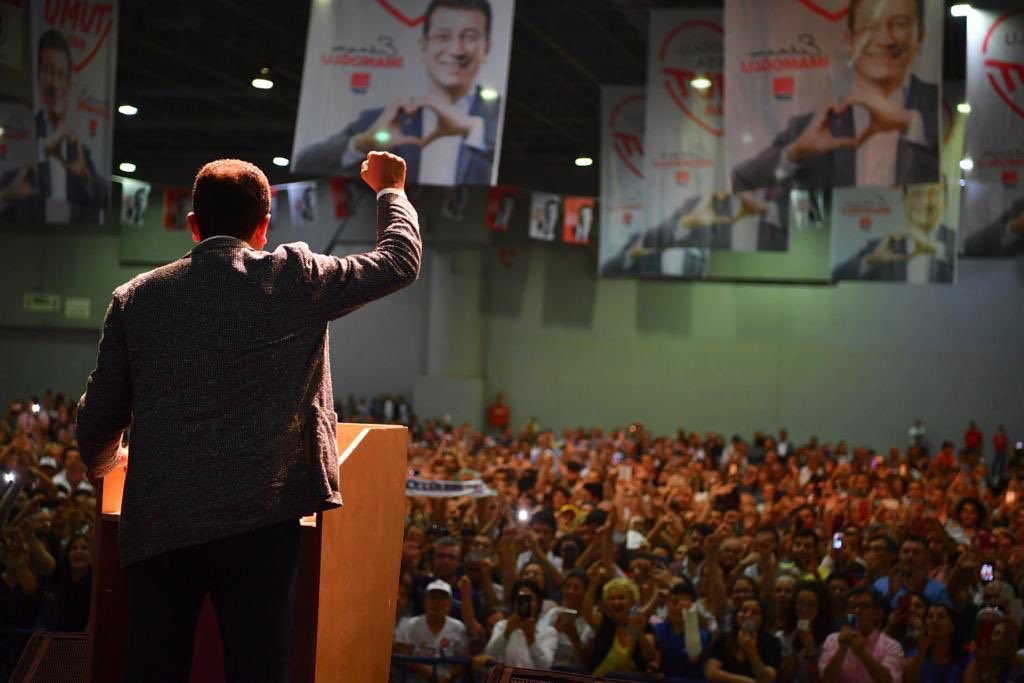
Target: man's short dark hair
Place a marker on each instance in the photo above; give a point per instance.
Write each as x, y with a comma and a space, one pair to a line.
230, 197
919, 6
914, 538
684, 588
447, 542
546, 518
466, 5
52, 39
876, 598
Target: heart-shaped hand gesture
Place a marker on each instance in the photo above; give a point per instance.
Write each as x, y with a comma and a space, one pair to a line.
386, 132
886, 115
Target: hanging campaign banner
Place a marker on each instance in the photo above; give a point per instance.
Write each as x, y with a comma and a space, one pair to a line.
622, 176
545, 216
893, 235
953, 124
64, 177
435, 488
832, 93
339, 196
134, 201
384, 75
177, 204
302, 204
501, 202
993, 208
577, 219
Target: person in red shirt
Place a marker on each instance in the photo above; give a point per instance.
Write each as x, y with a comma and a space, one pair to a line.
973, 437
946, 458
1000, 444
498, 414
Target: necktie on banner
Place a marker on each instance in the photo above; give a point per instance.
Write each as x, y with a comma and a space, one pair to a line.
371, 80
578, 219
501, 202
816, 101
433, 488
545, 216
177, 204
339, 196
302, 204
993, 201
134, 200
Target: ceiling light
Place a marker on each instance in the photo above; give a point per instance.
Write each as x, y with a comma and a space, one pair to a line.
280, 161
127, 167
488, 94
584, 161
128, 110
701, 83
966, 164
960, 9
262, 83
963, 108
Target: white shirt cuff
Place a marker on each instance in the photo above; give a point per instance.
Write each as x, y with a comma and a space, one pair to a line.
915, 131
785, 168
475, 137
391, 190
351, 156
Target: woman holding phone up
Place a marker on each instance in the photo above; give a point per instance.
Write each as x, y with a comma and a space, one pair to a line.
521, 640
747, 653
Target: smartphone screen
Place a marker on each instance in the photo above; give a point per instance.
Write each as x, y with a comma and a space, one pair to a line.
837, 540
986, 573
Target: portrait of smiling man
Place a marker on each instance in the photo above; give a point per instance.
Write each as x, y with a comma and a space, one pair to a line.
447, 135
883, 132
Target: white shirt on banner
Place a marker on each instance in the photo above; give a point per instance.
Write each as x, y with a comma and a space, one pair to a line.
919, 268
58, 174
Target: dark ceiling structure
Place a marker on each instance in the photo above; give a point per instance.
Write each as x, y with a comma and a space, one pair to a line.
187, 65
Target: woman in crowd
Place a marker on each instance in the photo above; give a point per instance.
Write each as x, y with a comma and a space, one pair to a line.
533, 571
809, 625
969, 515
574, 633
747, 653
620, 644
907, 621
939, 655
73, 585
522, 639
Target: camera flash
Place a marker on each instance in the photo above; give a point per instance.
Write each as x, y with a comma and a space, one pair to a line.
9, 477
523, 515
36, 407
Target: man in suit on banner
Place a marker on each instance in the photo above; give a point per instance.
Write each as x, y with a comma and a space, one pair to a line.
446, 136
1002, 237
884, 132
219, 364
925, 254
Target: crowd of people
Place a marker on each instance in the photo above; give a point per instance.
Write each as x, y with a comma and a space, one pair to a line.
685, 557
697, 557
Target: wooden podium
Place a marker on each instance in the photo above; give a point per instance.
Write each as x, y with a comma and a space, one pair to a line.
347, 580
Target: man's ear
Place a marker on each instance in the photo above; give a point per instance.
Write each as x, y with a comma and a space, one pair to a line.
259, 235
193, 224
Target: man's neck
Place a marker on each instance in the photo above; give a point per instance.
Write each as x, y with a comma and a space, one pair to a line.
885, 87
453, 94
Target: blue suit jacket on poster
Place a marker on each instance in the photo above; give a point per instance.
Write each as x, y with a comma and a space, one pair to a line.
914, 163
473, 165
896, 271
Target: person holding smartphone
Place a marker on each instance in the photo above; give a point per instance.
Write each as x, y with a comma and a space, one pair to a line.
523, 640
860, 651
574, 633
748, 653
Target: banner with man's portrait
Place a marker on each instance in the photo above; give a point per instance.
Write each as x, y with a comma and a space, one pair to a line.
993, 203
622, 176
385, 75
64, 176
577, 219
134, 201
832, 93
501, 202
893, 235
545, 216
302, 204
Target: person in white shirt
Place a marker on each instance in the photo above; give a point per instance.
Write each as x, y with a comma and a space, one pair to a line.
433, 634
522, 640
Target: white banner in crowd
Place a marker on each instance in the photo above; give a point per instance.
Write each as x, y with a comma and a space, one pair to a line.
434, 488
64, 175
302, 204
810, 89
134, 201
381, 74
545, 216
893, 235
993, 208
622, 175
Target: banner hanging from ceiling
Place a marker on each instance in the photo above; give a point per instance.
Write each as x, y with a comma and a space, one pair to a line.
622, 176
57, 114
384, 75
993, 202
832, 93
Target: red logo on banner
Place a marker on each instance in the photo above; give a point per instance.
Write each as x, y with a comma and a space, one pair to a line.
783, 87
1010, 177
1002, 72
627, 218
626, 124
865, 222
360, 82
92, 128
702, 105
403, 15
86, 26
682, 177
837, 11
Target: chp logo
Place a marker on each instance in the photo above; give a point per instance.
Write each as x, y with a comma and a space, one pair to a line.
783, 87
833, 10
693, 50
360, 82
1010, 178
412, 13
1003, 53
627, 128
86, 26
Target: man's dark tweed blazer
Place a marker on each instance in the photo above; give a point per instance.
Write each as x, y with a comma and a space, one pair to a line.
219, 362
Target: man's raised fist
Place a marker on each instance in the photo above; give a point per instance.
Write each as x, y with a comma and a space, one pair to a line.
383, 170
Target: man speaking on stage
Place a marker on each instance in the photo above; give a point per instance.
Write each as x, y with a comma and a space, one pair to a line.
218, 362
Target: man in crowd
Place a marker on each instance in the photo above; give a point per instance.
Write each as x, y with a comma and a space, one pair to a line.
433, 634
860, 651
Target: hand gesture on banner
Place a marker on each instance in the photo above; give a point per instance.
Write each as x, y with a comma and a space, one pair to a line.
450, 120
705, 216
922, 246
817, 137
1017, 224
886, 115
387, 128
52, 142
884, 252
383, 170
52, 146
22, 186
77, 167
